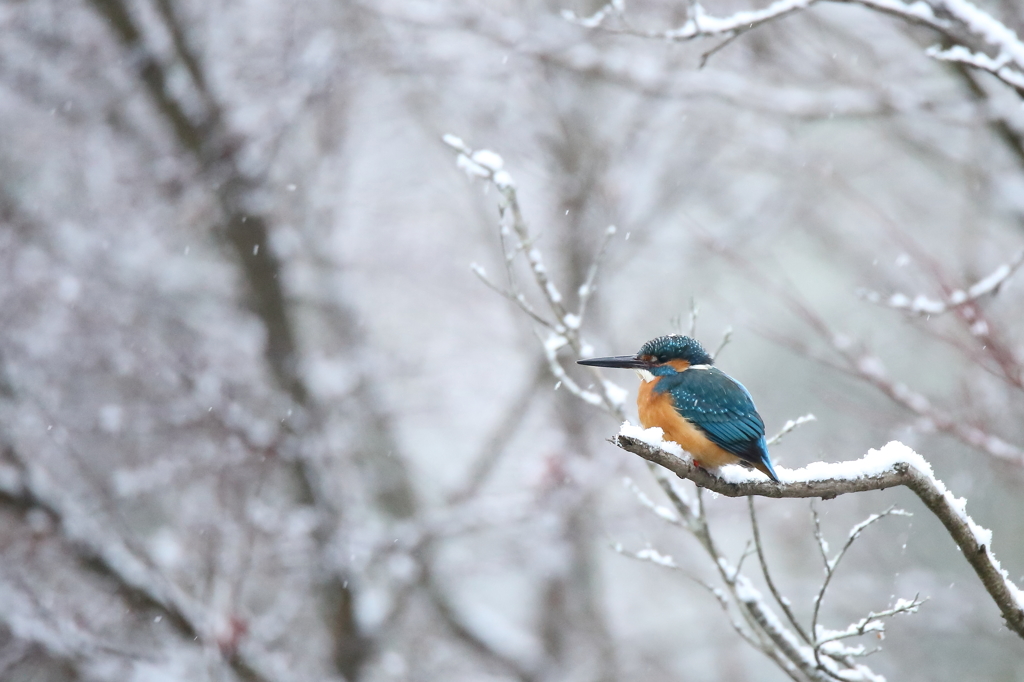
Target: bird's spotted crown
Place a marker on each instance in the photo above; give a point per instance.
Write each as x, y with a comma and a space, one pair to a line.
676, 347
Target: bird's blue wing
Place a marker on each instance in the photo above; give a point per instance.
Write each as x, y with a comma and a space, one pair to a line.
721, 407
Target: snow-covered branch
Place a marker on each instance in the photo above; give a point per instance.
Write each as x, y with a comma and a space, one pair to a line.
751, 617
700, 24
923, 305
564, 329
970, 29
788, 644
893, 465
992, 31
869, 623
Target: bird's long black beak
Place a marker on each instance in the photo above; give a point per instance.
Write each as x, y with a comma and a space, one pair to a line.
618, 361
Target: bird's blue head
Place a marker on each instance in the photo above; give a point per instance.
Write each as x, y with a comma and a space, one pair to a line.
673, 351
664, 349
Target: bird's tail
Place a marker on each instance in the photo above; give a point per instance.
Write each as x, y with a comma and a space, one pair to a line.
765, 465
766, 469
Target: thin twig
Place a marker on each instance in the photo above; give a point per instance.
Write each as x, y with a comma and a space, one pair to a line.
586, 290
790, 425
661, 512
779, 599
513, 296
717, 48
726, 338
832, 564
819, 538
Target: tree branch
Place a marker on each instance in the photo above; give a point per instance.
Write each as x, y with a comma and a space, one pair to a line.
893, 465
922, 305
969, 28
95, 545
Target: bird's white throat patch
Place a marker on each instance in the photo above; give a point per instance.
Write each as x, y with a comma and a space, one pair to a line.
645, 375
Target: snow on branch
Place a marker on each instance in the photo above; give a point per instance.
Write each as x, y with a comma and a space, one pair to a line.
979, 60
598, 17
959, 21
563, 325
700, 24
869, 623
661, 511
893, 465
987, 27
922, 305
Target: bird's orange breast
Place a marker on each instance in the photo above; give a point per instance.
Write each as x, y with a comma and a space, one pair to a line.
656, 409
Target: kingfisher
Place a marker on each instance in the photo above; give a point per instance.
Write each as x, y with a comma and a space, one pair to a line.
706, 411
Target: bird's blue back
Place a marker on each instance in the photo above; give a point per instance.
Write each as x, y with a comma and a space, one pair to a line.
721, 407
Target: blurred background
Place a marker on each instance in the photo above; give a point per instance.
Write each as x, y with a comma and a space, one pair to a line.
261, 421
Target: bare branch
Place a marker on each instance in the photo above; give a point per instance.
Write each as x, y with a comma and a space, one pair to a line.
783, 603
871, 369
819, 538
726, 338
650, 555
796, 655
551, 346
839, 662
764, 630
586, 290
777, 641
513, 296
981, 61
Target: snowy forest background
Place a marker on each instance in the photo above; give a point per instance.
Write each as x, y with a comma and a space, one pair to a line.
260, 420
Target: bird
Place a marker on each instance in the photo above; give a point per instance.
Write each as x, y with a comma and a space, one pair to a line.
700, 407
